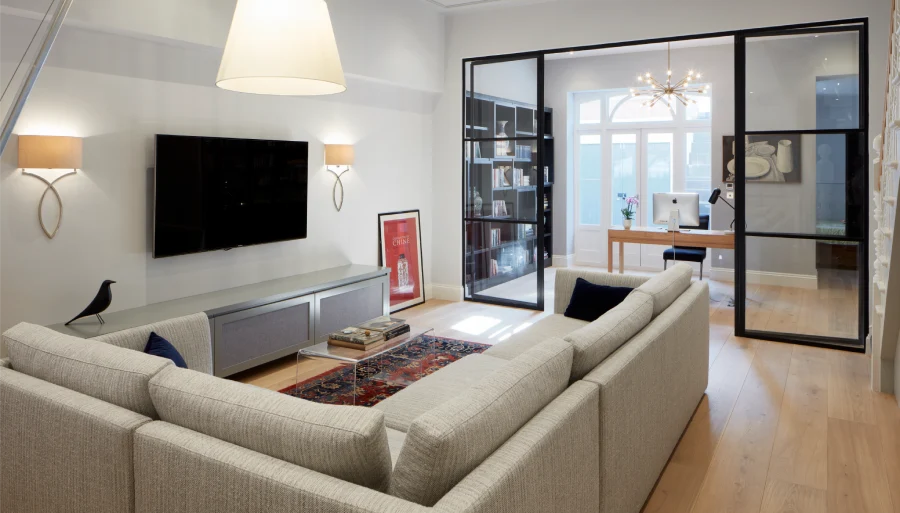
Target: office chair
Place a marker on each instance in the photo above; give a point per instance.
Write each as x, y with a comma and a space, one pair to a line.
684, 254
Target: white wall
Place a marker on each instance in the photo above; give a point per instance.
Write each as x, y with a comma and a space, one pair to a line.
576, 23
116, 91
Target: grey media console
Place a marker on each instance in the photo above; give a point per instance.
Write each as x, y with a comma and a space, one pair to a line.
258, 323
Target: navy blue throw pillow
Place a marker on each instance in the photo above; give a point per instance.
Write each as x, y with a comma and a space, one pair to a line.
158, 346
590, 301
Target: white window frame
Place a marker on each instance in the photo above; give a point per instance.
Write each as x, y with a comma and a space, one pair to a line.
679, 126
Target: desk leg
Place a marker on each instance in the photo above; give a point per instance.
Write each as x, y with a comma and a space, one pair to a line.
609, 256
621, 257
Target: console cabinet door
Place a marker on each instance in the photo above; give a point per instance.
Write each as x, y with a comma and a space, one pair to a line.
258, 335
349, 305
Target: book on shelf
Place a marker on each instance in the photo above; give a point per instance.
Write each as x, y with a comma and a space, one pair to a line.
495, 237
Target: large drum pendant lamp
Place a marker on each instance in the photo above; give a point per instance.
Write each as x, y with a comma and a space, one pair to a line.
281, 47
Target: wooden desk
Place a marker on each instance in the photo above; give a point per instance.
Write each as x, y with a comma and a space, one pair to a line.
716, 239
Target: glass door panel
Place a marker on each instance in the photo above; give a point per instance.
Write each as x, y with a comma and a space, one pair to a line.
590, 174
802, 187
506, 214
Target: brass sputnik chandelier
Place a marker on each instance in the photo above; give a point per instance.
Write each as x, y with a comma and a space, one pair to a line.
658, 91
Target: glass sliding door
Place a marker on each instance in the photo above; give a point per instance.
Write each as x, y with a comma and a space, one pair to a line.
802, 200
507, 188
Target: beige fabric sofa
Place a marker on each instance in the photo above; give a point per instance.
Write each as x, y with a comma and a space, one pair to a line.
565, 416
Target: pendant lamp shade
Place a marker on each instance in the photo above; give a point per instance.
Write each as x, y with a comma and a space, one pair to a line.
281, 47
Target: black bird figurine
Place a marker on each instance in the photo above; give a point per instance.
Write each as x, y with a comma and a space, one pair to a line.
99, 304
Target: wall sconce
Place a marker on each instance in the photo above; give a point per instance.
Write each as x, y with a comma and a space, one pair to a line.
47, 152
338, 159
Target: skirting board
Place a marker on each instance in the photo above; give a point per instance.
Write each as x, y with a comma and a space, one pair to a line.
444, 292
563, 260
798, 281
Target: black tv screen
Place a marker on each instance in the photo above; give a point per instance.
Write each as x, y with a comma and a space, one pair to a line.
213, 193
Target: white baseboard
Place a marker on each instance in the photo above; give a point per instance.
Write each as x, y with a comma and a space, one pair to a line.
444, 292
563, 260
798, 281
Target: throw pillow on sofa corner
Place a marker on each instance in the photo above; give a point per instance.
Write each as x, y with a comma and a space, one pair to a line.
158, 346
589, 301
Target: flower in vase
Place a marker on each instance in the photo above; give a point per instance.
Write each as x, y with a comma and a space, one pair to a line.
631, 203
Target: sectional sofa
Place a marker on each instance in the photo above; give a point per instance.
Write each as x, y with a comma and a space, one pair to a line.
566, 416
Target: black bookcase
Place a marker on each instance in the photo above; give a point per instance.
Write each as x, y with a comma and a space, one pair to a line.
501, 238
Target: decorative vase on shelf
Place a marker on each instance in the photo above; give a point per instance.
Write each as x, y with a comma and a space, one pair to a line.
501, 147
627, 224
478, 203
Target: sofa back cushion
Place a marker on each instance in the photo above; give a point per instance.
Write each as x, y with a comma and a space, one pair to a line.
666, 286
344, 442
189, 335
112, 374
594, 342
446, 443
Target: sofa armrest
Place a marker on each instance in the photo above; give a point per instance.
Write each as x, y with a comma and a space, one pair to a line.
649, 389
181, 471
4, 362
566, 278
63, 450
189, 334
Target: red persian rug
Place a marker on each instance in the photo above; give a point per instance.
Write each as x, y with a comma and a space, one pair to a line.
384, 376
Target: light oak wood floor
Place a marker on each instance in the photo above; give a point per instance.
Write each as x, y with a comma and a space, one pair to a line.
781, 429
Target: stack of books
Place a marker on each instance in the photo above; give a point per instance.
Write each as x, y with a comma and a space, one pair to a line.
369, 334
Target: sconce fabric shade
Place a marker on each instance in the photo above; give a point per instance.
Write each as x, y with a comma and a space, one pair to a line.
48, 152
339, 155
282, 47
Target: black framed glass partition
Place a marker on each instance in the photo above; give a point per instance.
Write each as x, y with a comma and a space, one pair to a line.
802, 187
506, 196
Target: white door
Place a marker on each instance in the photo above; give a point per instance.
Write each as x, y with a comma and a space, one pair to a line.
625, 163
657, 173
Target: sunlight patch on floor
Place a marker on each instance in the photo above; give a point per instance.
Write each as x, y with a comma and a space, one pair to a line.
476, 325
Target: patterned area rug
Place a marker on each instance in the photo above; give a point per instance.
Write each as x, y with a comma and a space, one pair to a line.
386, 375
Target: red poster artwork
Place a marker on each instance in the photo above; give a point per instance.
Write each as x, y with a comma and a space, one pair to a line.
401, 254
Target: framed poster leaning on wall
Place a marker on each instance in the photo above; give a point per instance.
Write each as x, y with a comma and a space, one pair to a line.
400, 241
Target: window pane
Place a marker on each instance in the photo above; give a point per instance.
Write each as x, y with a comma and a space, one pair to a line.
624, 172
698, 168
591, 112
589, 167
589, 202
659, 164
631, 109
700, 107
589, 170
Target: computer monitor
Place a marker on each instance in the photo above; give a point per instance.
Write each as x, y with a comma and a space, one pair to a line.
687, 204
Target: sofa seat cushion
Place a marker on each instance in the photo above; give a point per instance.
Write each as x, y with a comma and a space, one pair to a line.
402, 408
666, 286
112, 374
344, 442
554, 326
189, 335
594, 342
446, 443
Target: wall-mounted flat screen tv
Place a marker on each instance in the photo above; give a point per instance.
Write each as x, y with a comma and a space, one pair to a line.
212, 193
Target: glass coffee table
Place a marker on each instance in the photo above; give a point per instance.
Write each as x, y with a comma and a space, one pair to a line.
367, 365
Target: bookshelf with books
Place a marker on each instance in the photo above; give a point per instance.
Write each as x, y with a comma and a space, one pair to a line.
508, 194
